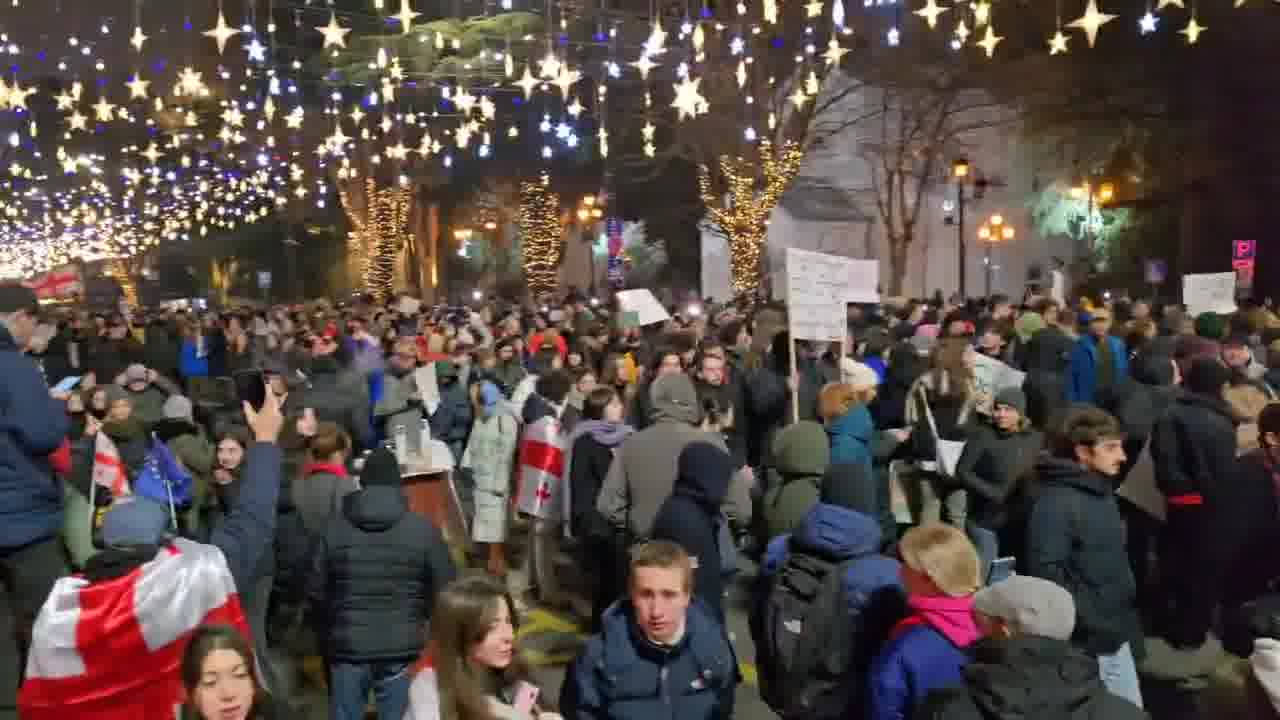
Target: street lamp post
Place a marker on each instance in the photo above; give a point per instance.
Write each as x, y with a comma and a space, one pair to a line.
994, 230
590, 211
960, 171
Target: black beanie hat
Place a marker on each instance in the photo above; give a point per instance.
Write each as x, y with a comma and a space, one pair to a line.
1207, 376
380, 468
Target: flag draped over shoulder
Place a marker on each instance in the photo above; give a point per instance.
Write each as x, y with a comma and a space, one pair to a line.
108, 469
113, 649
542, 456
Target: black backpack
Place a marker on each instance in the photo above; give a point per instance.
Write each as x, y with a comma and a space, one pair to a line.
804, 636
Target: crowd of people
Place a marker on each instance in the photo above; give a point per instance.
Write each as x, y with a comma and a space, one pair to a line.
979, 509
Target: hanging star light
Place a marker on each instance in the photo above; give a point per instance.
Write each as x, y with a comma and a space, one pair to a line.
256, 50
981, 13
1193, 30
656, 43
1058, 43
565, 80
527, 82
990, 41
575, 108
152, 153
811, 84
930, 12
138, 87
464, 100
221, 33
813, 9
647, 131
294, 119
644, 65
1162, 4
269, 109
837, 13
17, 96
64, 99
406, 16
357, 115
799, 98
385, 125
190, 83
1147, 23
334, 34
962, 31
138, 39
488, 110
603, 136
104, 110
397, 151
688, 100
549, 66
770, 11
232, 116
834, 52
1091, 21
338, 139
741, 73
76, 121
424, 148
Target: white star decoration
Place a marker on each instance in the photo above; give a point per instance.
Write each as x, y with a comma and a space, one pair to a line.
688, 102
565, 80
138, 39
405, 16
1091, 21
931, 11
221, 33
527, 82
137, 87
334, 34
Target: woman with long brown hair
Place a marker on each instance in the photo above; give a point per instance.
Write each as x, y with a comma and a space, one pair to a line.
220, 678
941, 406
473, 671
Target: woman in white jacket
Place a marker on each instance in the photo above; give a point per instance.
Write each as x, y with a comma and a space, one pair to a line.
490, 455
473, 671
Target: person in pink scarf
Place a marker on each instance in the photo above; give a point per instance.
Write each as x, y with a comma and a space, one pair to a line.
926, 650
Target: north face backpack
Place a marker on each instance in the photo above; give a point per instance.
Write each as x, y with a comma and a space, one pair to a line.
803, 634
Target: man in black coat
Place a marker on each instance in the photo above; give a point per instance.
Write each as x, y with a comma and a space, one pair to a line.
1075, 537
1025, 667
1193, 448
375, 577
691, 517
1046, 358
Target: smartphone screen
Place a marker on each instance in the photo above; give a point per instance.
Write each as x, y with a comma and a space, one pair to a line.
1001, 569
251, 387
66, 384
526, 698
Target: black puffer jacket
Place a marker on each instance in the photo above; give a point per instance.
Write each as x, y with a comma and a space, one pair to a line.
375, 577
1075, 537
1045, 360
1193, 447
990, 467
1028, 677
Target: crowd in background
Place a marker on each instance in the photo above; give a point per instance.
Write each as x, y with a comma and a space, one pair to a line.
980, 509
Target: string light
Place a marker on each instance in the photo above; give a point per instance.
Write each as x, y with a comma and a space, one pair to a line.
539, 221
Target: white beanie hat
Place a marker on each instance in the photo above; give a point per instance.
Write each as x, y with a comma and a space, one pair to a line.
858, 374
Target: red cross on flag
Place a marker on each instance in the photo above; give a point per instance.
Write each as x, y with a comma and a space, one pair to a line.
112, 649
541, 469
108, 469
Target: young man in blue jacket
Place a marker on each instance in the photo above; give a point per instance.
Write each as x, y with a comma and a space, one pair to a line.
33, 424
1099, 361
660, 655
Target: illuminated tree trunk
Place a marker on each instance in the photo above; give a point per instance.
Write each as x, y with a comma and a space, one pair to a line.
741, 202
122, 271
539, 221
379, 226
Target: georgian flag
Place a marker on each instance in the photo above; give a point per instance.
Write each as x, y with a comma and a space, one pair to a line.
542, 455
108, 469
113, 649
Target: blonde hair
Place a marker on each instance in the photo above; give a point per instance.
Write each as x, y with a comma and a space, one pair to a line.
945, 555
663, 554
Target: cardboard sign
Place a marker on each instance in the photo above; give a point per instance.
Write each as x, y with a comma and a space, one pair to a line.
864, 281
646, 307
1209, 292
817, 294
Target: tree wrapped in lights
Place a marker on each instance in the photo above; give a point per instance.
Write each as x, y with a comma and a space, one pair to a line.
539, 221
752, 188
379, 227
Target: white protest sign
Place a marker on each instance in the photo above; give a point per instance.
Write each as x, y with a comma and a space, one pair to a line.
864, 281
428, 388
646, 307
817, 291
1058, 290
1209, 292
409, 306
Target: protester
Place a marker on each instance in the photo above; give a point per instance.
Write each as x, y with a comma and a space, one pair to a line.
325, 482
34, 425
374, 549
1025, 667
474, 670
220, 678
801, 456
660, 639
1074, 536
927, 650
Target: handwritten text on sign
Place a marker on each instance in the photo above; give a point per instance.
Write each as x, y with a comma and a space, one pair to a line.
1209, 292
817, 290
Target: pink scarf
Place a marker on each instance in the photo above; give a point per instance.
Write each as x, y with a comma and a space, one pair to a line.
951, 616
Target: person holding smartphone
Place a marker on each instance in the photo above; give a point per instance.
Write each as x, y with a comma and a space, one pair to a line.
473, 671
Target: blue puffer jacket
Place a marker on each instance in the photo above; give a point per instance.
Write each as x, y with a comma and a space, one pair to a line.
915, 662
32, 425
873, 584
622, 676
851, 438
190, 364
1083, 382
